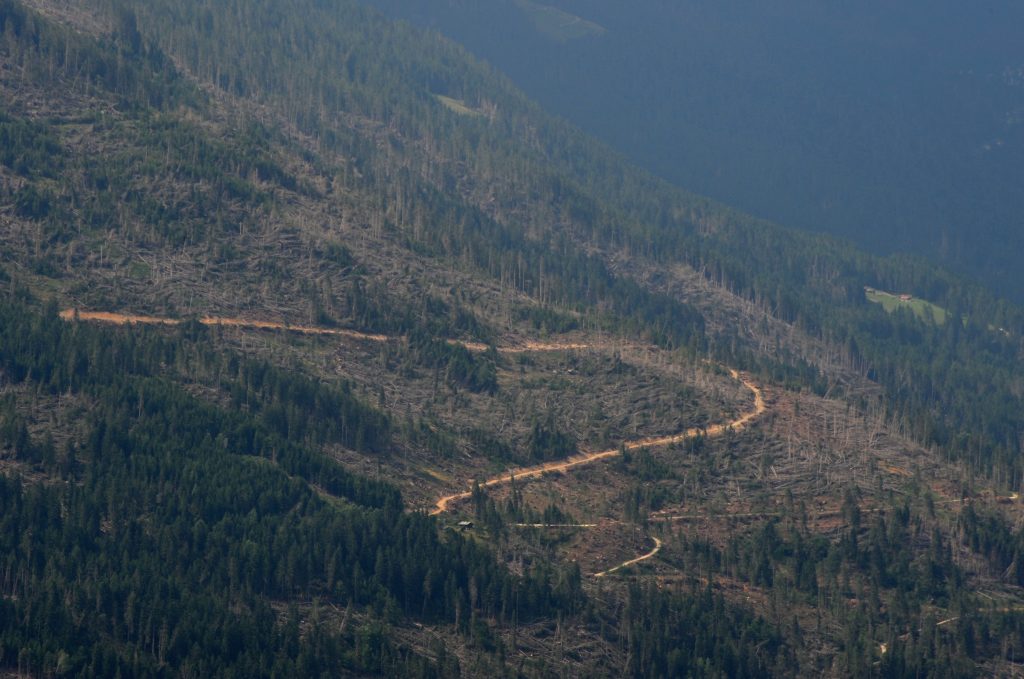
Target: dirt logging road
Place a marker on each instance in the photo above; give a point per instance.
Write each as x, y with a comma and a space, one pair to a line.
446, 502
215, 321
524, 473
626, 564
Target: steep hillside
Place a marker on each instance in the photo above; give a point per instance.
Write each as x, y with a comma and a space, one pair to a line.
321, 271
896, 126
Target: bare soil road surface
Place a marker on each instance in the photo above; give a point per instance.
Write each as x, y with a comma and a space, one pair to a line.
520, 474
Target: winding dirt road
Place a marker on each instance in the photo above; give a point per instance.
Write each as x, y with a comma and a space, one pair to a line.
626, 564
132, 319
522, 473
444, 503
590, 458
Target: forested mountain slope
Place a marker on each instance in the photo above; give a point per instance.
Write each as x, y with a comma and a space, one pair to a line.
231, 499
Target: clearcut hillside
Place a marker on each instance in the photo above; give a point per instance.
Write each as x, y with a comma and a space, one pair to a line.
324, 350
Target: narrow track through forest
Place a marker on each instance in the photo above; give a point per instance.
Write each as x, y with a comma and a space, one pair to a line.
524, 473
444, 503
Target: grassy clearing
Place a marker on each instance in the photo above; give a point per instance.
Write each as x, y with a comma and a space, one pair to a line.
923, 309
457, 105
